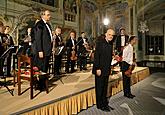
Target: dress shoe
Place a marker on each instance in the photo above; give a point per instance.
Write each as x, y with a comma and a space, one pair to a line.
129, 96
111, 108
106, 109
132, 95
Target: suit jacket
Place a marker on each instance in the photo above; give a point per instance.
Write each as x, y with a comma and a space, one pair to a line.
81, 48
2, 49
42, 39
118, 42
103, 57
69, 46
58, 41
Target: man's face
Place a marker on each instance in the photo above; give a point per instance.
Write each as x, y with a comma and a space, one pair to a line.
122, 31
7, 30
135, 40
1, 29
109, 35
72, 35
58, 31
83, 35
29, 30
46, 15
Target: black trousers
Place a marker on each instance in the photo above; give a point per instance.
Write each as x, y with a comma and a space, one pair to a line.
41, 63
126, 79
126, 84
70, 63
82, 62
101, 85
57, 64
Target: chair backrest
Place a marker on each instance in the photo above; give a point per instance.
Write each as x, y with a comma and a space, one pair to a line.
26, 63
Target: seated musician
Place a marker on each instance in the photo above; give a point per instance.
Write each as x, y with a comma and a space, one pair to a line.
71, 52
82, 51
127, 66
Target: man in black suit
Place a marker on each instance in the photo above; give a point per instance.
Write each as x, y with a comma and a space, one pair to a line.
71, 52
58, 58
2, 48
102, 69
82, 51
121, 41
42, 44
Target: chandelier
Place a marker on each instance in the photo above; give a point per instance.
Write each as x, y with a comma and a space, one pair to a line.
143, 26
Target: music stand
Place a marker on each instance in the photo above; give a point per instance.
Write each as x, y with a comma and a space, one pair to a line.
2, 60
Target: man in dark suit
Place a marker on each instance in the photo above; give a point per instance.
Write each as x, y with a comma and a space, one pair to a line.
42, 44
121, 41
58, 58
102, 69
71, 52
82, 51
2, 48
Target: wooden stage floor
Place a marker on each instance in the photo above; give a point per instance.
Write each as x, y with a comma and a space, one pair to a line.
68, 86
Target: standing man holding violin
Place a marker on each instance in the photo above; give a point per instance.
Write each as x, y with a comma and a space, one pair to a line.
82, 51
58, 58
71, 52
127, 66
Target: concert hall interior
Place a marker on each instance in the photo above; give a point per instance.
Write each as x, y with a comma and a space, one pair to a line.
52, 52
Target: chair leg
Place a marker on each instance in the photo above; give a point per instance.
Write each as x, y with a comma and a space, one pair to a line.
46, 83
9, 90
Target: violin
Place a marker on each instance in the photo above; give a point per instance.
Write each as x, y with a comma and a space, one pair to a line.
73, 54
129, 71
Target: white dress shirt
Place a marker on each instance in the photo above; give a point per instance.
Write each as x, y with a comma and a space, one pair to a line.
123, 40
128, 54
48, 30
84, 40
0, 39
72, 41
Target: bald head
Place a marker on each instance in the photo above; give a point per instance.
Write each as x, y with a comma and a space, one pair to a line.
109, 34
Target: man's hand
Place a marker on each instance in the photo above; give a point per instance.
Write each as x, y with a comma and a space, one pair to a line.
98, 72
41, 55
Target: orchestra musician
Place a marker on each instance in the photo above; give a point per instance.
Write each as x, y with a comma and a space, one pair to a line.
71, 48
58, 42
121, 40
82, 51
127, 66
2, 48
42, 44
9, 43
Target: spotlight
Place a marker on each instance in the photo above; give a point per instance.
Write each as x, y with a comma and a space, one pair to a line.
106, 21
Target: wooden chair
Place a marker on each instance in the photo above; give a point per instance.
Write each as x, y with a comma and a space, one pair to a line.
25, 64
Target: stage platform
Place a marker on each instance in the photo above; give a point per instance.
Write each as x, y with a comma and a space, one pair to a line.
68, 95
